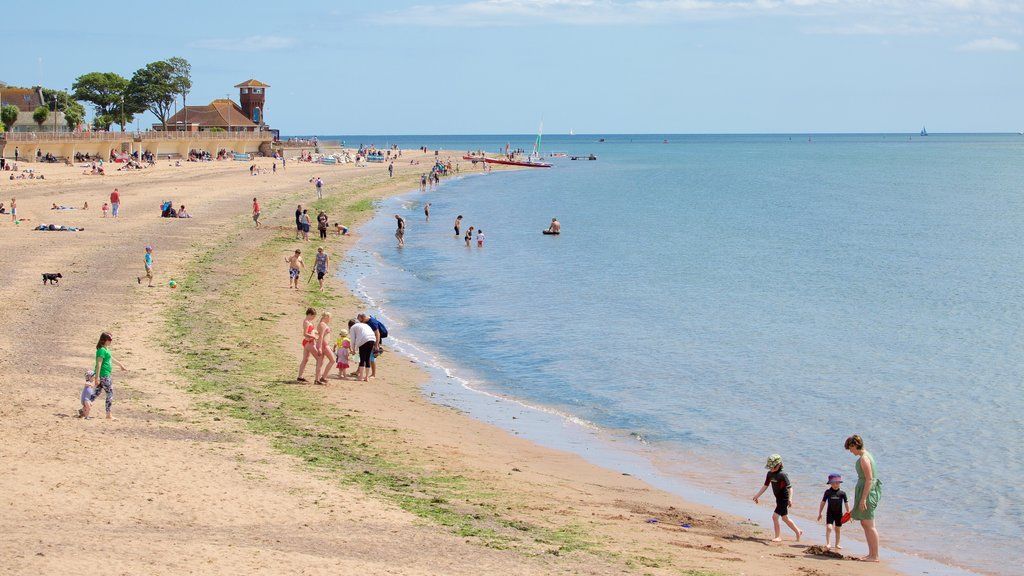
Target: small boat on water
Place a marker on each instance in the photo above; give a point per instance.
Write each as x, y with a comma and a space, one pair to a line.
591, 157
506, 162
924, 131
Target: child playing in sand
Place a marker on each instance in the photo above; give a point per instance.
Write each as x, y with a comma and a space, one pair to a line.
295, 265
835, 498
341, 230
104, 208
342, 351
87, 393
783, 490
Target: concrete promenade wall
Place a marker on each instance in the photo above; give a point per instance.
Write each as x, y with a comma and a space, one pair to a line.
101, 143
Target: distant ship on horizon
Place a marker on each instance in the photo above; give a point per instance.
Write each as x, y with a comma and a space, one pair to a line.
924, 131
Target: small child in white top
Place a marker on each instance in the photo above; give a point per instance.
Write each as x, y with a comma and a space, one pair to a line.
87, 393
479, 238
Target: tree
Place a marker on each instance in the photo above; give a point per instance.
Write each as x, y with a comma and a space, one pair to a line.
103, 90
102, 121
40, 115
154, 88
182, 78
61, 101
9, 116
73, 118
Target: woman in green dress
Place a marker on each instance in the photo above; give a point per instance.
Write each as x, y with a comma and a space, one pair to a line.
868, 492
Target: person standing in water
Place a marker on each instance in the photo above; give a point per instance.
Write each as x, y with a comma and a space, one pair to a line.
469, 236
400, 232
458, 224
866, 495
426, 211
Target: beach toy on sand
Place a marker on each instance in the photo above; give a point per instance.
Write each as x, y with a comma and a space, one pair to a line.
172, 284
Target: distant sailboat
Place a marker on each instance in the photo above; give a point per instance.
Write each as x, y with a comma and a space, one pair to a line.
924, 131
571, 133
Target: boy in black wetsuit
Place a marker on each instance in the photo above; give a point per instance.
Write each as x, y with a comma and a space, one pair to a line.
835, 499
783, 490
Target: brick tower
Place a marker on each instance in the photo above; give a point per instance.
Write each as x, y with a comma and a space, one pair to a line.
252, 96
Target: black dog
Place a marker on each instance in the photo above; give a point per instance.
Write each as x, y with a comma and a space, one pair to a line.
52, 278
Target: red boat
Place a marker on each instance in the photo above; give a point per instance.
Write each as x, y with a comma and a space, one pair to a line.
525, 163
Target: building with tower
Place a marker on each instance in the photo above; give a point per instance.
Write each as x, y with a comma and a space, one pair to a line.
224, 114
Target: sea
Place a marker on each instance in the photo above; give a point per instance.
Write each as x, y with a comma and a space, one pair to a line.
714, 299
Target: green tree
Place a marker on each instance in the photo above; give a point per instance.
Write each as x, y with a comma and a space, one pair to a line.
182, 78
40, 115
9, 116
102, 121
154, 88
103, 90
73, 118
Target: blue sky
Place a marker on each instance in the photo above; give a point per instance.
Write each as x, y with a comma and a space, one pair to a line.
594, 66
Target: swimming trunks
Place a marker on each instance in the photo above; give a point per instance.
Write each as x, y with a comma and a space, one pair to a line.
293, 272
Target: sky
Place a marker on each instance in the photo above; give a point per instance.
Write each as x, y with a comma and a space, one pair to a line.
591, 66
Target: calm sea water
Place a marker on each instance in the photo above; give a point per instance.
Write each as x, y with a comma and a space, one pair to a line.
720, 298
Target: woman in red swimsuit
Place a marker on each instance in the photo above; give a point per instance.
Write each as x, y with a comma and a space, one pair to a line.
309, 338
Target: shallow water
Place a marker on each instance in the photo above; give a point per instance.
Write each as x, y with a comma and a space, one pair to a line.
724, 297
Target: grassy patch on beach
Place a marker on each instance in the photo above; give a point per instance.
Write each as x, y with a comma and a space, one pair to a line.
222, 330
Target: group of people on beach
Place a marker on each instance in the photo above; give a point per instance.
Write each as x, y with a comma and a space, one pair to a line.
363, 337
866, 496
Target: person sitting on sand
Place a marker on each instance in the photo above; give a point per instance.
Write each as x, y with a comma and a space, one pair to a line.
182, 213
783, 491
556, 227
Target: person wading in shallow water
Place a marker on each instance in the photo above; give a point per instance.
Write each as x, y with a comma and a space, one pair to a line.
866, 495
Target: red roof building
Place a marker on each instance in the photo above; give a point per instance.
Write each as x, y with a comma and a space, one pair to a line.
224, 113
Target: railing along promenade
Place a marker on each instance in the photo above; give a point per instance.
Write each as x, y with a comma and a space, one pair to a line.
134, 136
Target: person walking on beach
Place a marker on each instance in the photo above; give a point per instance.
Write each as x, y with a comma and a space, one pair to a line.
400, 232
321, 265
783, 491
309, 338
834, 498
14, 210
866, 495
391, 170
149, 267
295, 266
17, 154
469, 236
363, 340
319, 188
256, 212
115, 202
104, 369
458, 224
426, 211
325, 361
304, 220
321, 225
423, 182
298, 222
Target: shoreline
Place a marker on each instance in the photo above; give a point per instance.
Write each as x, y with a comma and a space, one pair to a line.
615, 450
219, 459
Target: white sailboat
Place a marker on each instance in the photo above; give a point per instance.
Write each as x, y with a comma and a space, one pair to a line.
571, 133
534, 156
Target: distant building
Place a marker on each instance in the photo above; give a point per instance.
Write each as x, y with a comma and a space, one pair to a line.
27, 100
225, 114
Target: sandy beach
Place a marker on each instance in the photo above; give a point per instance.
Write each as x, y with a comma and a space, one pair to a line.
219, 463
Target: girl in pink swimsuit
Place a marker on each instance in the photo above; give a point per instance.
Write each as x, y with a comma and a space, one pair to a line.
309, 338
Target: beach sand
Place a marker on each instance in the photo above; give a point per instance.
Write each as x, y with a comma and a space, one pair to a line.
218, 463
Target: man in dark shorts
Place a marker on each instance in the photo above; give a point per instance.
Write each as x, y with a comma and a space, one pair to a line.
298, 222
